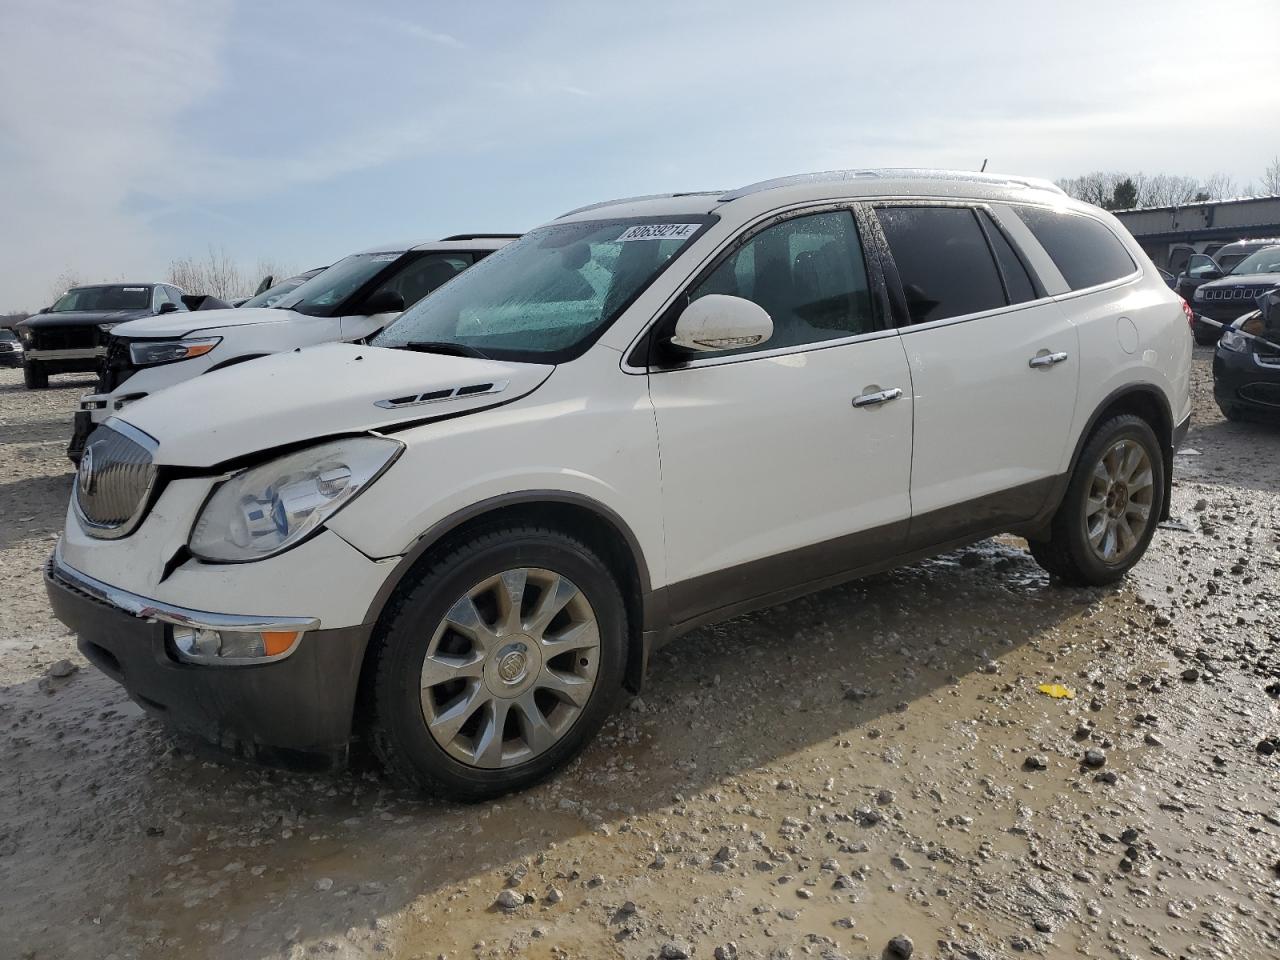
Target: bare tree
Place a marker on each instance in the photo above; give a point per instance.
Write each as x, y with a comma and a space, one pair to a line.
217, 275
63, 282
1271, 178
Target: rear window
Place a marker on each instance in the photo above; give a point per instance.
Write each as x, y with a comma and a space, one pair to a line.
943, 261
1084, 251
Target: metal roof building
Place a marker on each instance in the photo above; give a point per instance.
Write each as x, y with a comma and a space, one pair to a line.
1201, 225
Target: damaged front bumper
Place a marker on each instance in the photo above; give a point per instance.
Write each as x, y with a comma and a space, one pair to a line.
299, 704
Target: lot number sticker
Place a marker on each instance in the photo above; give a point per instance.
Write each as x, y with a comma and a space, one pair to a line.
659, 231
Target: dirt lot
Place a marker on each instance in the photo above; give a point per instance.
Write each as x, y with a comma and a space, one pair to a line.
811, 781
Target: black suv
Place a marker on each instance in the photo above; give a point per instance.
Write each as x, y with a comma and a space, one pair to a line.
1229, 283
69, 336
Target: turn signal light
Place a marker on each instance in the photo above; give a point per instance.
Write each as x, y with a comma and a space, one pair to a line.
229, 647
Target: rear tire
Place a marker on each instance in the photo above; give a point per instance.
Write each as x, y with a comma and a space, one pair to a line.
467, 649
1106, 501
34, 377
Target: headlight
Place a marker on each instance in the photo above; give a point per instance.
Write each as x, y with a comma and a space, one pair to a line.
147, 352
268, 509
1234, 341
25, 335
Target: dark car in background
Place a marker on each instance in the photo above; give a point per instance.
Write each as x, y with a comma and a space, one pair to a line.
10, 348
1246, 364
69, 336
1226, 265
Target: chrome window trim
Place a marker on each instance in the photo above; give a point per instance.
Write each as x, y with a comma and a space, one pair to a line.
147, 609
713, 361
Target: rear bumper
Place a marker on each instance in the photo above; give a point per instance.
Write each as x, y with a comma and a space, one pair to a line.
1242, 383
298, 706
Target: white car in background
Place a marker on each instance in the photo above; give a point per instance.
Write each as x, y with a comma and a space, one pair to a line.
463, 539
348, 301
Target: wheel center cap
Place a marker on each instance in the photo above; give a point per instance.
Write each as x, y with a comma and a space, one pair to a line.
511, 666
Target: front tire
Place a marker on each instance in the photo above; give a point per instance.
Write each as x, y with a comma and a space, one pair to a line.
497, 664
1113, 502
34, 377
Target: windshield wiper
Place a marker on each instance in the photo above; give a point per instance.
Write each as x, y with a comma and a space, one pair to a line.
445, 347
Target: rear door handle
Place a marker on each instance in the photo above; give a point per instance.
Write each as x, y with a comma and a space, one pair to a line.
876, 398
1045, 359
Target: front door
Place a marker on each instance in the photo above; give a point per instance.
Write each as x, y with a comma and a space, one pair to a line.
994, 366
786, 463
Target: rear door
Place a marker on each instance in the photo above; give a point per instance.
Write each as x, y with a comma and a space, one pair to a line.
993, 369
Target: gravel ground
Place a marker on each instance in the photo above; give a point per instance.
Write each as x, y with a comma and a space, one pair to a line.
870, 763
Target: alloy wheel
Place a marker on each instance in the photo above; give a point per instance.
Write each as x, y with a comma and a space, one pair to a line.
510, 668
1118, 508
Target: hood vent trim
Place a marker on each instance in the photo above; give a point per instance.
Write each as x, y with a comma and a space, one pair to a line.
449, 393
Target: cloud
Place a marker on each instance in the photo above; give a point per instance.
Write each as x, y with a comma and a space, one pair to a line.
425, 33
93, 93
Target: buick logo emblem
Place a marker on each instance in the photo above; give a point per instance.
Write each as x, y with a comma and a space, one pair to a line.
84, 475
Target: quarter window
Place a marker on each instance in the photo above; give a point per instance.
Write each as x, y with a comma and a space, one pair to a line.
943, 261
1085, 252
809, 275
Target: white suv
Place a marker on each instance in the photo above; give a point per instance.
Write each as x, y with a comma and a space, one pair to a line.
349, 301
464, 540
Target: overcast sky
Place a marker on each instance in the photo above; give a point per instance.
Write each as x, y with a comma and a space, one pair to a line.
136, 131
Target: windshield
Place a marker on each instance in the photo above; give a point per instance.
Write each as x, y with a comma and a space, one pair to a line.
6, 334
326, 290
273, 295
103, 298
1266, 260
547, 296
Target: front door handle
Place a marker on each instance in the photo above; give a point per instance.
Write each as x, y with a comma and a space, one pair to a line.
1045, 359
876, 398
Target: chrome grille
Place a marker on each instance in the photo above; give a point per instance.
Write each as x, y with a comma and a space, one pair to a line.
115, 480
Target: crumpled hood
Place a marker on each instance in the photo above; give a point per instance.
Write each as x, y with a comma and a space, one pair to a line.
182, 323
82, 318
318, 392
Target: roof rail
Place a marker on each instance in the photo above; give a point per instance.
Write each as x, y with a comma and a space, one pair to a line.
483, 236
647, 196
885, 173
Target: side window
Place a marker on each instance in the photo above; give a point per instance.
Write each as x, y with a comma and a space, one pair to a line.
158, 296
943, 261
807, 273
420, 276
175, 297
1017, 282
1084, 250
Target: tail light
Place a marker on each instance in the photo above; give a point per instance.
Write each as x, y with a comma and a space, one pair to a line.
1188, 313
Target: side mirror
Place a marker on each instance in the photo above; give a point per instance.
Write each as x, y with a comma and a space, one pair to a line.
1211, 274
384, 301
720, 322
168, 307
